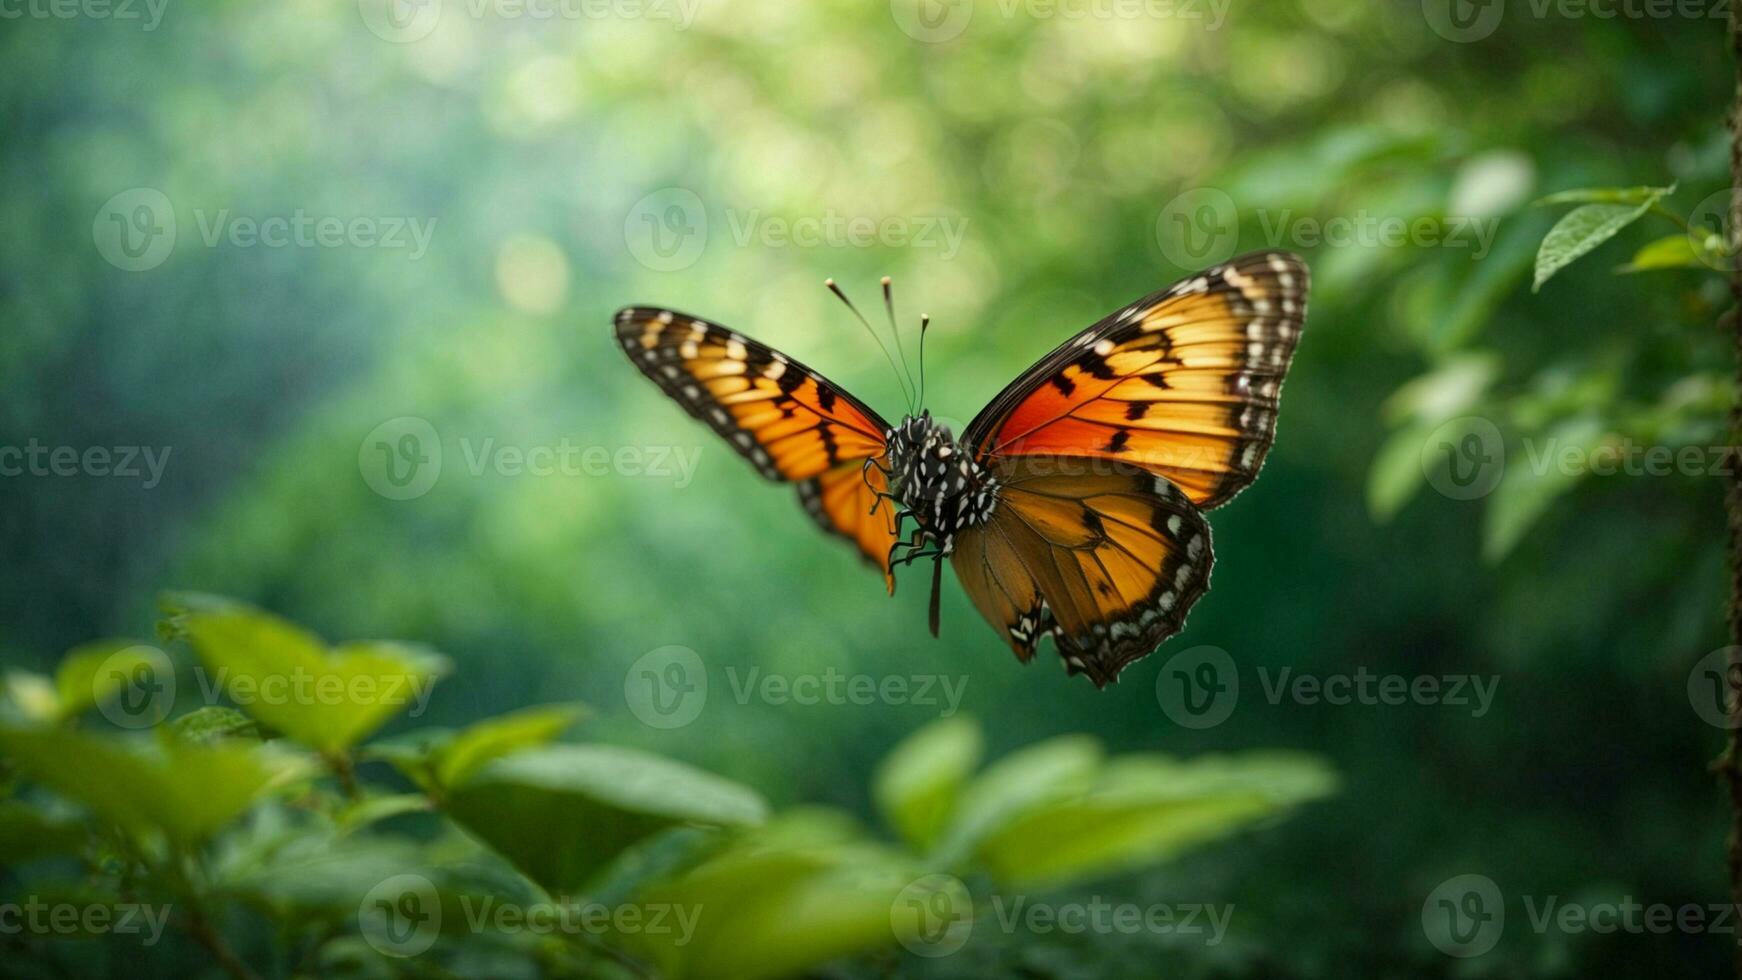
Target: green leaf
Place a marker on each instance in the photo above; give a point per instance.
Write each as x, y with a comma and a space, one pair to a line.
467, 752
95, 672
371, 809
562, 813
803, 891
31, 697
916, 786
1607, 195
1548, 469
1668, 252
287, 678
1056, 768
1583, 229
1145, 809
215, 722
184, 790
1395, 473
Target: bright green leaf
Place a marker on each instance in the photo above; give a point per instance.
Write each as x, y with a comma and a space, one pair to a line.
1145, 809
1583, 229
471, 748
32, 697
785, 898
286, 677
95, 672
916, 786
184, 790
1057, 768
1669, 252
215, 722
1607, 195
562, 813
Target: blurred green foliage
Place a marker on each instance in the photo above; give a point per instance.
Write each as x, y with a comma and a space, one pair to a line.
350, 889
526, 146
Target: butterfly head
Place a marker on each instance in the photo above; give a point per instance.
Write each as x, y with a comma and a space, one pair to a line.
937, 480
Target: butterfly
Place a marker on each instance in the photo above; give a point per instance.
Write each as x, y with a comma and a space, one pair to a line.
1073, 505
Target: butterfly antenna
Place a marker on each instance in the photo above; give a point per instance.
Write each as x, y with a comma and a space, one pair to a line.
924, 322
889, 309
905, 390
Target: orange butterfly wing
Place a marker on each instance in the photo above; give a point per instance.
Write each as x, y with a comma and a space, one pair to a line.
1104, 556
1183, 383
790, 422
1107, 451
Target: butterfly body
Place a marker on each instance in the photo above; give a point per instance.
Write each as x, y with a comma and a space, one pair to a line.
937, 481
1072, 505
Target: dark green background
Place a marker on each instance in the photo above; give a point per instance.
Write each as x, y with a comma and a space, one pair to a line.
1059, 141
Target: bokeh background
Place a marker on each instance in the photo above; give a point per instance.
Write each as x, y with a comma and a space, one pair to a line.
497, 179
